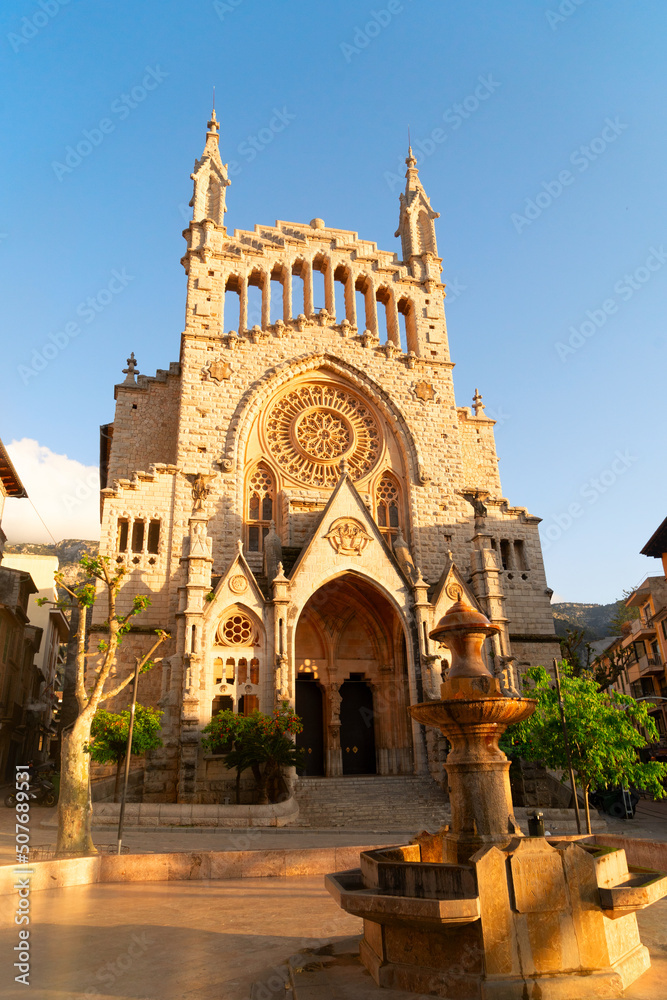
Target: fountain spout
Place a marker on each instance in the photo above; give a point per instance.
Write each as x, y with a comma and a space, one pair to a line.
473, 713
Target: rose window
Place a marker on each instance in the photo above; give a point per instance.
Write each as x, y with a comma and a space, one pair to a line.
323, 434
237, 630
311, 429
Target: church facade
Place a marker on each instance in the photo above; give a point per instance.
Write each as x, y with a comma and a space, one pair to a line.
302, 498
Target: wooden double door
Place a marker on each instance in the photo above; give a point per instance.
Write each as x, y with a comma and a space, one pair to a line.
357, 728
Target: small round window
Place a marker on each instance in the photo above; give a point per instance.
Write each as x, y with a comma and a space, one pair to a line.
238, 631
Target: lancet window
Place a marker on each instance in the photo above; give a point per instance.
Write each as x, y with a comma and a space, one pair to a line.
388, 506
260, 506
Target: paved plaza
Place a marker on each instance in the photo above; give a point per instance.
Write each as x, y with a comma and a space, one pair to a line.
206, 940
215, 939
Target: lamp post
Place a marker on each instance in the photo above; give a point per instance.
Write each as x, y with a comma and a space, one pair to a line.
137, 667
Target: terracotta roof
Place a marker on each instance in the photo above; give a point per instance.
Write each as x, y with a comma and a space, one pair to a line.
12, 485
657, 543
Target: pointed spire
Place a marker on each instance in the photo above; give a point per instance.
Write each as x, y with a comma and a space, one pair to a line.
415, 223
210, 178
410, 159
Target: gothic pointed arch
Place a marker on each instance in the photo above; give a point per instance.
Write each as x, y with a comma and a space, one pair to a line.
259, 505
389, 505
261, 392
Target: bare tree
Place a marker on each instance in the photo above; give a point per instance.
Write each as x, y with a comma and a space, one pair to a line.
74, 805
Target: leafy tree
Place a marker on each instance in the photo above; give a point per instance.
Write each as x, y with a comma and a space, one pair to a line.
109, 732
622, 615
604, 732
259, 742
74, 804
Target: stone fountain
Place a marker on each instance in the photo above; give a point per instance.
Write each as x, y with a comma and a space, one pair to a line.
478, 910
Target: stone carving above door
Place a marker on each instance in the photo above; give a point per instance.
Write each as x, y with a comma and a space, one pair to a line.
311, 429
348, 536
238, 584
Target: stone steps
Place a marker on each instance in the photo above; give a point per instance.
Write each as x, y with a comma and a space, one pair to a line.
371, 802
409, 802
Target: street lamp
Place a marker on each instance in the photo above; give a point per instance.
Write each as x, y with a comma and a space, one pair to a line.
139, 663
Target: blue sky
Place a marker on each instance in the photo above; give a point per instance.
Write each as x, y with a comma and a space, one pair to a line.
553, 227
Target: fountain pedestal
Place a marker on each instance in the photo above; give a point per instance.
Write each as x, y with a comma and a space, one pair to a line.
478, 910
473, 714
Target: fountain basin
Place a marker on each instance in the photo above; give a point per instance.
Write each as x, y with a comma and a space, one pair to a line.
457, 712
348, 889
550, 920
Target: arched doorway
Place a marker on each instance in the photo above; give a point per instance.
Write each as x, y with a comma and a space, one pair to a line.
357, 728
311, 738
351, 639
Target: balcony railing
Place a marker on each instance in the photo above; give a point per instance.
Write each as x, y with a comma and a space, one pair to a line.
650, 666
639, 629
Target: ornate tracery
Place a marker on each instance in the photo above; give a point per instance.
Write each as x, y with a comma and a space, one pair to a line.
388, 505
260, 506
310, 429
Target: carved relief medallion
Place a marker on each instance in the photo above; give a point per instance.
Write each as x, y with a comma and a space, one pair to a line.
311, 429
348, 536
217, 370
238, 584
424, 390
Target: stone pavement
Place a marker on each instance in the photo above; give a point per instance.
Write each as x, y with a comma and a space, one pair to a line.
650, 823
162, 941
207, 941
164, 840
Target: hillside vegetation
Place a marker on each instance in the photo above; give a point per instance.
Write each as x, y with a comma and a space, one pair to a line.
68, 551
595, 619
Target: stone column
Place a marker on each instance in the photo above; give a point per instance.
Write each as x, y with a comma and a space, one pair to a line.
393, 327
243, 305
308, 289
282, 686
287, 295
334, 766
198, 562
329, 293
428, 661
486, 582
371, 309
266, 299
350, 304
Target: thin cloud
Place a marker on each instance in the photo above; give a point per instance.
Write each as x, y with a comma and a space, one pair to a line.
64, 491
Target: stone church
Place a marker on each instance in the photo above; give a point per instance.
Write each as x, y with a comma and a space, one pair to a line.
302, 498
